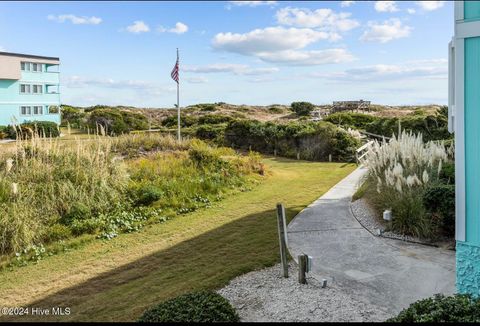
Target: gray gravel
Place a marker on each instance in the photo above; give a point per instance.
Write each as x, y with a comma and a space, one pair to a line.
265, 296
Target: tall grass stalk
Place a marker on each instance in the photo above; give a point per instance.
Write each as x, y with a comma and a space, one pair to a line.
399, 172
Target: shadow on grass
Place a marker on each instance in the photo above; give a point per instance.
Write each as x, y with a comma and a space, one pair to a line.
208, 261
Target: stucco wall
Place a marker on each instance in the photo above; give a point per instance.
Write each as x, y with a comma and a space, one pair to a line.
468, 268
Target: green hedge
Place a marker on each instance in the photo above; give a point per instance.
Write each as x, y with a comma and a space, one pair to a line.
116, 121
27, 129
439, 200
311, 140
199, 307
432, 126
456, 308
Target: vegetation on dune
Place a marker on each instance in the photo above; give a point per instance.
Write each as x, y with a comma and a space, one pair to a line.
310, 140
302, 108
50, 192
431, 126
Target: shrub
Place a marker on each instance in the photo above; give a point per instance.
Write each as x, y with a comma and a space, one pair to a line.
115, 122
148, 194
185, 121
28, 129
439, 200
214, 119
4, 132
399, 173
210, 132
302, 108
350, 119
312, 141
73, 116
205, 306
457, 308
57, 232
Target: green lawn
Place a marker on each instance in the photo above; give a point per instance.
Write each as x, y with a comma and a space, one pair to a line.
116, 280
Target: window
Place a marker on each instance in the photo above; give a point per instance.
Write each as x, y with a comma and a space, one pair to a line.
37, 89
36, 67
25, 88
25, 110
23, 65
38, 110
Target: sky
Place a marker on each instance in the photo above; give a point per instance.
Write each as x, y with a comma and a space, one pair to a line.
239, 52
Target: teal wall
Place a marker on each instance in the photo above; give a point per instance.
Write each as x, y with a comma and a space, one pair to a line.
468, 251
471, 10
472, 140
468, 269
11, 100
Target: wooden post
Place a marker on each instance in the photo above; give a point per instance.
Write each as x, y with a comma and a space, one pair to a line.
298, 155
330, 157
282, 237
275, 152
302, 269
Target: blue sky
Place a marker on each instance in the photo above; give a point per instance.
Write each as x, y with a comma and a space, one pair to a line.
241, 52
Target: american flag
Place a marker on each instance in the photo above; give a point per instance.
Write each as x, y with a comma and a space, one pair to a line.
174, 73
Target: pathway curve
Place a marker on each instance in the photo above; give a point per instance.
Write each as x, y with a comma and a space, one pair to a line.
385, 272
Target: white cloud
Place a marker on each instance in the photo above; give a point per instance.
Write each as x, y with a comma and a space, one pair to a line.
385, 6
237, 69
385, 32
197, 80
308, 58
325, 19
430, 5
346, 3
2, 49
253, 3
411, 11
282, 45
179, 28
420, 69
137, 85
269, 39
138, 27
76, 20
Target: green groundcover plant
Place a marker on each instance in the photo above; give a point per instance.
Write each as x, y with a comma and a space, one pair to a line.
456, 308
200, 307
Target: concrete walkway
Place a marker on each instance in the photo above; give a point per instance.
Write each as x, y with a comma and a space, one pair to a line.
388, 273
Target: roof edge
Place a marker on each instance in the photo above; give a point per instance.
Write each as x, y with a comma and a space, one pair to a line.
21, 55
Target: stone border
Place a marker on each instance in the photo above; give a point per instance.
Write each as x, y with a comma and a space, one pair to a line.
387, 235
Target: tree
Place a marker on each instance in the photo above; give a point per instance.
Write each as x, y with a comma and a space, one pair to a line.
302, 108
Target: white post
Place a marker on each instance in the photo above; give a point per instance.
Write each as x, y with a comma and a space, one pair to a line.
178, 101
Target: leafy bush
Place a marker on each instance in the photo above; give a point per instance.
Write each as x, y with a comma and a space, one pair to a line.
73, 116
439, 200
214, 119
310, 140
115, 122
199, 307
209, 132
4, 132
28, 129
457, 308
350, 119
302, 108
399, 173
185, 121
148, 194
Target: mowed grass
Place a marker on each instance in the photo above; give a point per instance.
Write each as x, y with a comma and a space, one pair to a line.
117, 280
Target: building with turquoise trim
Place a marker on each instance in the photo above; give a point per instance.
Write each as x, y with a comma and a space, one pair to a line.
29, 88
464, 107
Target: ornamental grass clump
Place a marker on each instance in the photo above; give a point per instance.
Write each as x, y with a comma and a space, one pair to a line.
400, 170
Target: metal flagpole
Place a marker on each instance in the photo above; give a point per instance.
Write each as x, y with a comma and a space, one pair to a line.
178, 99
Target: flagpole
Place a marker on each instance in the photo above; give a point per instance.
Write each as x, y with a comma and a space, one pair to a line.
178, 102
